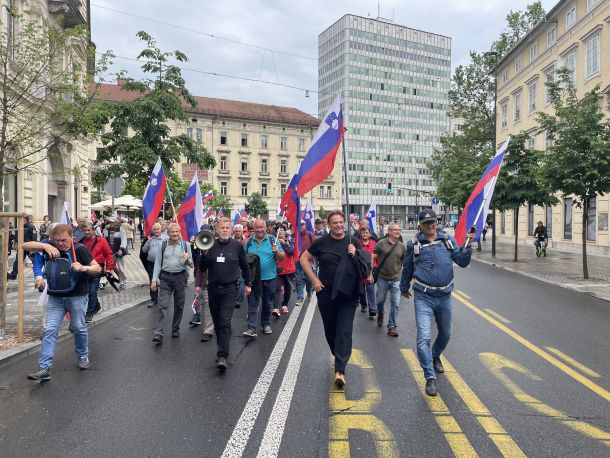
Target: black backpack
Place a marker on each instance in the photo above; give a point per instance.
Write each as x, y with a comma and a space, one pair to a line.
60, 277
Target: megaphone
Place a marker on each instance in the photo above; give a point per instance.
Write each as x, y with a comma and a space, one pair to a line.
204, 239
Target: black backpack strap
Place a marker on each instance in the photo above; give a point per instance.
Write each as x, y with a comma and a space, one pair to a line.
163, 247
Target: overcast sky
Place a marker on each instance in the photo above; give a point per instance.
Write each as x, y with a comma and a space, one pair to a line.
281, 35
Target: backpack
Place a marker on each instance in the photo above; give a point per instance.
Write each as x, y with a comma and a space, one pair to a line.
60, 277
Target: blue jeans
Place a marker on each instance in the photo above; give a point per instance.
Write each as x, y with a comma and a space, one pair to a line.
240, 291
368, 298
302, 280
428, 306
267, 304
56, 310
93, 303
393, 286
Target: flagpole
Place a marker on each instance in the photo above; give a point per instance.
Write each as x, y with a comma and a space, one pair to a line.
171, 200
349, 230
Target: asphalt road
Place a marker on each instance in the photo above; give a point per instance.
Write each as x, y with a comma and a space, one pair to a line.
528, 374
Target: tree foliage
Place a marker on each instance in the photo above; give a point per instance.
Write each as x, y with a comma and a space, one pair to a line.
256, 206
139, 133
220, 201
578, 162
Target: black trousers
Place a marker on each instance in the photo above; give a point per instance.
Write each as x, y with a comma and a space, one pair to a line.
171, 283
222, 302
338, 321
150, 268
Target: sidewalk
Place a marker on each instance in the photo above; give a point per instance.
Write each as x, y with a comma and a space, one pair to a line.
559, 268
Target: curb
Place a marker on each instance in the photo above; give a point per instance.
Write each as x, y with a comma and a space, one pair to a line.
550, 282
26, 349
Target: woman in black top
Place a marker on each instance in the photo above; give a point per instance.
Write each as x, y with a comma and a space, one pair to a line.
338, 314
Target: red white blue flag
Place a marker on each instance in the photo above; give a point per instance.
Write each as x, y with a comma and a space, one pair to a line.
320, 158
190, 214
152, 202
208, 196
476, 208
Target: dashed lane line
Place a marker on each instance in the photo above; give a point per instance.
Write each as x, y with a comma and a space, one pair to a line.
241, 433
568, 359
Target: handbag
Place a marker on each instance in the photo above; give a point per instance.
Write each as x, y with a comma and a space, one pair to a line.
376, 269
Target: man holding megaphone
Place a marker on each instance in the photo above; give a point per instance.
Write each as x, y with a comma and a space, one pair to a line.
225, 261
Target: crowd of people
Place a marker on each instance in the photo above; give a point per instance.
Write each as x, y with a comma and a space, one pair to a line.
348, 264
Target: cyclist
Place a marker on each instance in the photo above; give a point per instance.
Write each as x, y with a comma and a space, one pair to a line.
541, 239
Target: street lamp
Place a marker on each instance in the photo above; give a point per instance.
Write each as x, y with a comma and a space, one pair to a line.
494, 54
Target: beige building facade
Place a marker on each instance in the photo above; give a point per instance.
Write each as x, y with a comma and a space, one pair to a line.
63, 171
575, 34
257, 149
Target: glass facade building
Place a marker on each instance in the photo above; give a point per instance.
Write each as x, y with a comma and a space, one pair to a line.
394, 82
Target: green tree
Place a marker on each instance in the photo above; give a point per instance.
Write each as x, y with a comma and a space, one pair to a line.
322, 213
256, 206
578, 162
521, 181
45, 95
160, 98
461, 160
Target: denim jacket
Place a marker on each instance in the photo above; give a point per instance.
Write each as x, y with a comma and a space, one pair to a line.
434, 264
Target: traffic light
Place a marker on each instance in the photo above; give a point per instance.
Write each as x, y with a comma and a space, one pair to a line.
390, 191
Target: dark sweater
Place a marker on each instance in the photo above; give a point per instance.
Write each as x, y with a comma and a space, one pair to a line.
229, 271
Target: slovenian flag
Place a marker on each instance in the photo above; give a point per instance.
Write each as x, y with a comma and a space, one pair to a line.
190, 214
152, 202
208, 196
236, 215
476, 208
320, 158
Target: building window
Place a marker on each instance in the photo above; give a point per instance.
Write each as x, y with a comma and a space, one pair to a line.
592, 3
591, 223
549, 221
244, 139
223, 162
264, 165
283, 165
504, 115
223, 137
301, 144
325, 192
549, 141
283, 187
532, 97
263, 141
533, 51
570, 17
549, 76
244, 189
567, 219
189, 132
592, 60
517, 102
531, 140
505, 75
284, 143
530, 219
570, 63
243, 164
502, 222
199, 135
551, 36
264, 188
223, 188
11, 14
518, 65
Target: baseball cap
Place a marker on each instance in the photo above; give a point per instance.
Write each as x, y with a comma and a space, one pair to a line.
318, 220
427, 215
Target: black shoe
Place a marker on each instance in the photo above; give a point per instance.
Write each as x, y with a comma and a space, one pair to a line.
372, 313
88, 318
206, 337
438, 365
237, 305
158, 338
175, 334
221, 363
431, 387
42, 375
196, 320
363, 309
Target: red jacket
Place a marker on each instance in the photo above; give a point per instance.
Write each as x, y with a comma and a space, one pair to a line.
101, 251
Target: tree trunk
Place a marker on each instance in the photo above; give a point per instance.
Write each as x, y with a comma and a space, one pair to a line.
516, 227
3, 255
585, 222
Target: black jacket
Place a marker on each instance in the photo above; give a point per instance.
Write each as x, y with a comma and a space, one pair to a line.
348, 280
255, 274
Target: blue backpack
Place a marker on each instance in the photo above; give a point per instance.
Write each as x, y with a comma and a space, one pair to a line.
60, 277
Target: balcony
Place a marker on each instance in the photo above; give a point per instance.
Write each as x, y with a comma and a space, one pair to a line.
72, 11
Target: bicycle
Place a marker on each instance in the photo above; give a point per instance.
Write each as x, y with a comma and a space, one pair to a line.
540, 247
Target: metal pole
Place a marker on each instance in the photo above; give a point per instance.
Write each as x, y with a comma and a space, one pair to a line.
346, 186
20, 292
493, 207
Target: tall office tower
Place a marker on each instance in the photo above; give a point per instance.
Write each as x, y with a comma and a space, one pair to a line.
394, 82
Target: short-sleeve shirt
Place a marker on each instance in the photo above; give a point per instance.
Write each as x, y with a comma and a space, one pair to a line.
392, 266
329, 252
267, 263
84, 256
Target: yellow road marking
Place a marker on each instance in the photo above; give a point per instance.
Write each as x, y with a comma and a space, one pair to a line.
581, 367
495, 431
495, 363
455, 437
536, 349
463, 294
497, 316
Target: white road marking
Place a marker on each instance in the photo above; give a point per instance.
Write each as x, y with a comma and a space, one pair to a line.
274, 432
241, 433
